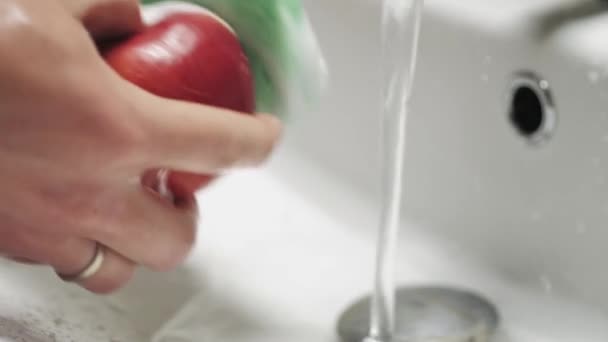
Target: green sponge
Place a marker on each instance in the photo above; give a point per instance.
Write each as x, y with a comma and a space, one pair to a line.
285, 57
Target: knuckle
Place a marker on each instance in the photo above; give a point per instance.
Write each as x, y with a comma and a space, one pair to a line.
14, 20
97, 220
26, 34
109, 233
178, 252
113, 284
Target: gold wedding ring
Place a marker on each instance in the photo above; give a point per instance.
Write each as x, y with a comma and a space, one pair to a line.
92, 268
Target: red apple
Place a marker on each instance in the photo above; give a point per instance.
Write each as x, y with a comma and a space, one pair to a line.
190, 56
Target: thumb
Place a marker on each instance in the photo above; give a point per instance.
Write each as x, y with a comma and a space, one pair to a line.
108, 18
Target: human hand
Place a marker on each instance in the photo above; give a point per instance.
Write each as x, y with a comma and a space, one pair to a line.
75, 140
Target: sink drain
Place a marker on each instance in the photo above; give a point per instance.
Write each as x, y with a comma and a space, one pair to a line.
532, 109
427, 314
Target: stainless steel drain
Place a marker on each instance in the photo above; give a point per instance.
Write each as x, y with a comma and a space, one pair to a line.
428, 314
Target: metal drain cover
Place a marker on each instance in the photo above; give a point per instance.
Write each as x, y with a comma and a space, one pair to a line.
428, 314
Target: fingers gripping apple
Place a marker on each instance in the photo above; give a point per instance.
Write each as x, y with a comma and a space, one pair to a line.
190, 56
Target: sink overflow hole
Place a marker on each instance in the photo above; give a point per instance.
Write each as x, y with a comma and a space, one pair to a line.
527, 111
532, 112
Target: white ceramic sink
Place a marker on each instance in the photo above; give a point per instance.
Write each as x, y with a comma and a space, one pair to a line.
283, 250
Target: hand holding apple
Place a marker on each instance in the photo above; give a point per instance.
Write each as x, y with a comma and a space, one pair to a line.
76, 139
189, 56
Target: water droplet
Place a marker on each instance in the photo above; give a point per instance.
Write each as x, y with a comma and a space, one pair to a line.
487, 60
605, 138
536, 216
593, 76
485, 77
596, 161
544, 84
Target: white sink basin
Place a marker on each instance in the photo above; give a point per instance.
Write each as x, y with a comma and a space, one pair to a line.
534, 215
265, 254
283, 250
